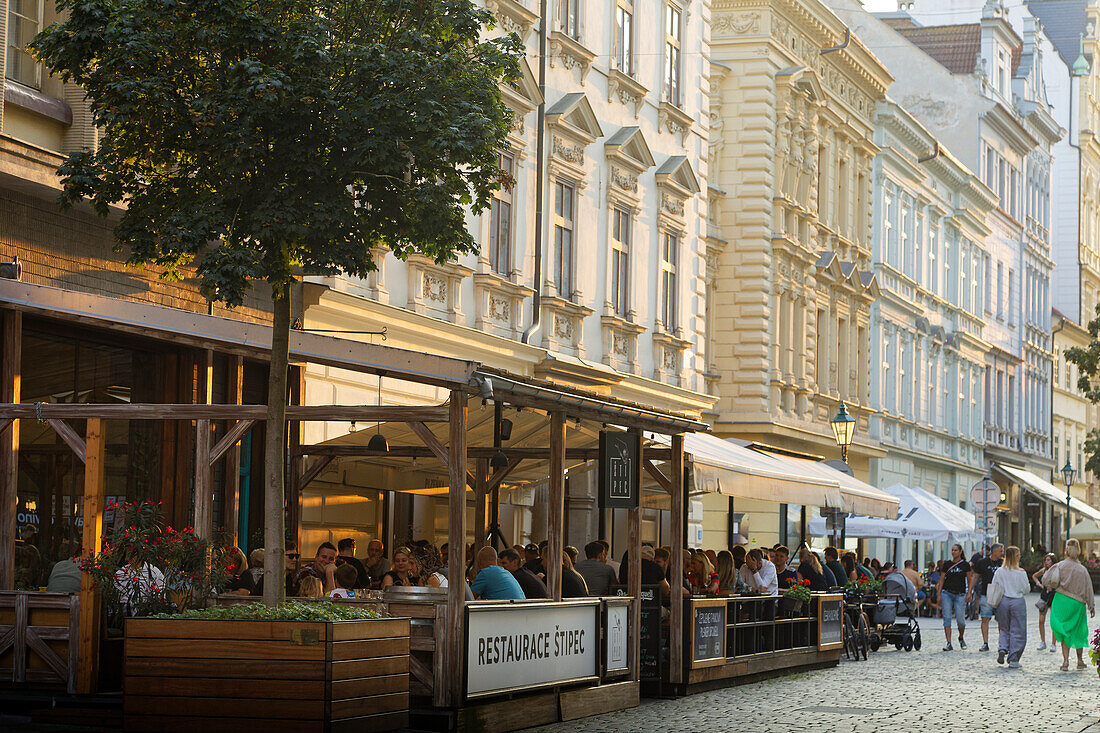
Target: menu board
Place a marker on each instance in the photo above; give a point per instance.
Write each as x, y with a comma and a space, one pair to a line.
830, 625
708, 632
650, 668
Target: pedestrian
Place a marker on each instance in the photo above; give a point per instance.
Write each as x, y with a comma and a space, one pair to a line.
982, 575
1006, 591
953, 591
1072, 594
1046, 595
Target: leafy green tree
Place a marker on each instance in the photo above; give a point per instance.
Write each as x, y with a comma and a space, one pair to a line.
247, 139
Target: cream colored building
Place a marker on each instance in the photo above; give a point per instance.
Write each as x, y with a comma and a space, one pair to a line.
623, 259
1074, 417
791, 167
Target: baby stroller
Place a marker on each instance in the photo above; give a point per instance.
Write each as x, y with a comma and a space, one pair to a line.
895, 615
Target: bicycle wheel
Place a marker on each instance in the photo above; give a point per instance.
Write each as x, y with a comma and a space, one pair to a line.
850, 649
864, 635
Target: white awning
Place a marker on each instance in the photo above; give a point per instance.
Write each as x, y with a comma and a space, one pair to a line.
724, 467
921, 515
1045, 490
856, 497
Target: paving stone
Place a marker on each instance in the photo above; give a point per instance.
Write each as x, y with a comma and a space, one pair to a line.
930, 690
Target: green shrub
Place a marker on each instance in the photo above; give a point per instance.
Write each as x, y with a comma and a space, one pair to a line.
288, 611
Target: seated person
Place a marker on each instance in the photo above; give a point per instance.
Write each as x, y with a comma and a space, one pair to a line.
346, 548
809, 568
346, 577
597, 574
572, 582
494, 582
764, 578
402, 572
784, 575
532, 585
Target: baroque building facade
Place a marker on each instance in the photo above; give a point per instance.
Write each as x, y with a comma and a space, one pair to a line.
928, 354
791, 164
618, 302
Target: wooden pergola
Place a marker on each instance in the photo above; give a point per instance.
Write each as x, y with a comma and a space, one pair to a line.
557, 402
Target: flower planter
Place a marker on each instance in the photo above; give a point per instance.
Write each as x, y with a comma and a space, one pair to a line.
790, 606
234, 675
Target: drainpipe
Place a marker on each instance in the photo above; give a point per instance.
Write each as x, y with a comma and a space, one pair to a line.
1054, 351
540, 174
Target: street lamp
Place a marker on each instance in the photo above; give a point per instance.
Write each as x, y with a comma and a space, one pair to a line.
1068, 475
844, 427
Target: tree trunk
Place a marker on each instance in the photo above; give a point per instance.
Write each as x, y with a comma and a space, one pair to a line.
274, 447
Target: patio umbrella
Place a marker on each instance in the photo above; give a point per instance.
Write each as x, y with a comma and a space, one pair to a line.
921, 516
1087, 529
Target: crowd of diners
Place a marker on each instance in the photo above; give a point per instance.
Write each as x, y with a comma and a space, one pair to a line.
519, 572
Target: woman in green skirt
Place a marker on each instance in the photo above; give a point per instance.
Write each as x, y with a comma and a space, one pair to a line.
1072, 595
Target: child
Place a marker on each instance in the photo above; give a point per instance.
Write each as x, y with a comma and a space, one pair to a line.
345, 577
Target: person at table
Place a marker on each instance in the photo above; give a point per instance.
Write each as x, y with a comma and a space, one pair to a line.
809, 568
402, 572
784, 575
703, 578
494, 583
764, 577
323, 567
240, 581
376, 563
651, 571
727, 574
597, 574
832, 562
532, 585
346, 555
533, 555
572, 582
291, 558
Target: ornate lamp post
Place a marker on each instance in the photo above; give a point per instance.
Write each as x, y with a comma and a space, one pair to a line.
844, 427
1068, 476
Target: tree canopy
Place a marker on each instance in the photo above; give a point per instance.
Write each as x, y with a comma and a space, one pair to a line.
246, 137
1087, 361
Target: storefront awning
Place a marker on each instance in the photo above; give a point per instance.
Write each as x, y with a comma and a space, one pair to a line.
856, 497
1045, 490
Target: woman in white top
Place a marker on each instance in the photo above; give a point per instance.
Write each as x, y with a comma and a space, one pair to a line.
1012, 585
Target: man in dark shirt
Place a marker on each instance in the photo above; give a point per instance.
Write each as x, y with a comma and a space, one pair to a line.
346, 548
783, 574
832, 561
981, 577
534, 559
532, 585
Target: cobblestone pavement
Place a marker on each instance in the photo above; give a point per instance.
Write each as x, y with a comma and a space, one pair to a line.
930, 690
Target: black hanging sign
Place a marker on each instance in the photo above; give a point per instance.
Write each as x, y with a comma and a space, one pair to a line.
620, 454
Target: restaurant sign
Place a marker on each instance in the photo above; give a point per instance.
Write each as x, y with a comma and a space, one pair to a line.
527, 645
620, 456
830, 631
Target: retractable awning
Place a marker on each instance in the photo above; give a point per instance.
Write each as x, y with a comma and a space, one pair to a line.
725, 467
856, 497
1045, 490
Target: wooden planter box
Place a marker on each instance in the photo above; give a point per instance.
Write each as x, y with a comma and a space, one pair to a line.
210, 676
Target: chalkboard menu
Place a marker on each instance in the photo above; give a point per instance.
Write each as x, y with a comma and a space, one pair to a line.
830, 628
708, 633
650, 630
620, 454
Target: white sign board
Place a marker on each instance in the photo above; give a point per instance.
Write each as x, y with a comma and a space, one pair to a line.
521, 646
617, 637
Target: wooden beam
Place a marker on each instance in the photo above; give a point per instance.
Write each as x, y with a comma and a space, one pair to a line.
11, 349
94, 480
314, 471
70, 437
230, 439
481, 517
502, 473
455, 642
204, 474
555, 510
235, 395
662, 480
438, 449
138, 411
677, 525
634, 574
417, 451
5, 424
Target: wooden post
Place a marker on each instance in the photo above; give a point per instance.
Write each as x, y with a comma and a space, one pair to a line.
235, 394
676, 522
9, 446
204, 473
481, 487
456, 564
94, 479
634, 574
555, 511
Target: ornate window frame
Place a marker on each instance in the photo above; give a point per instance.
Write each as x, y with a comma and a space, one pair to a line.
436, 290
